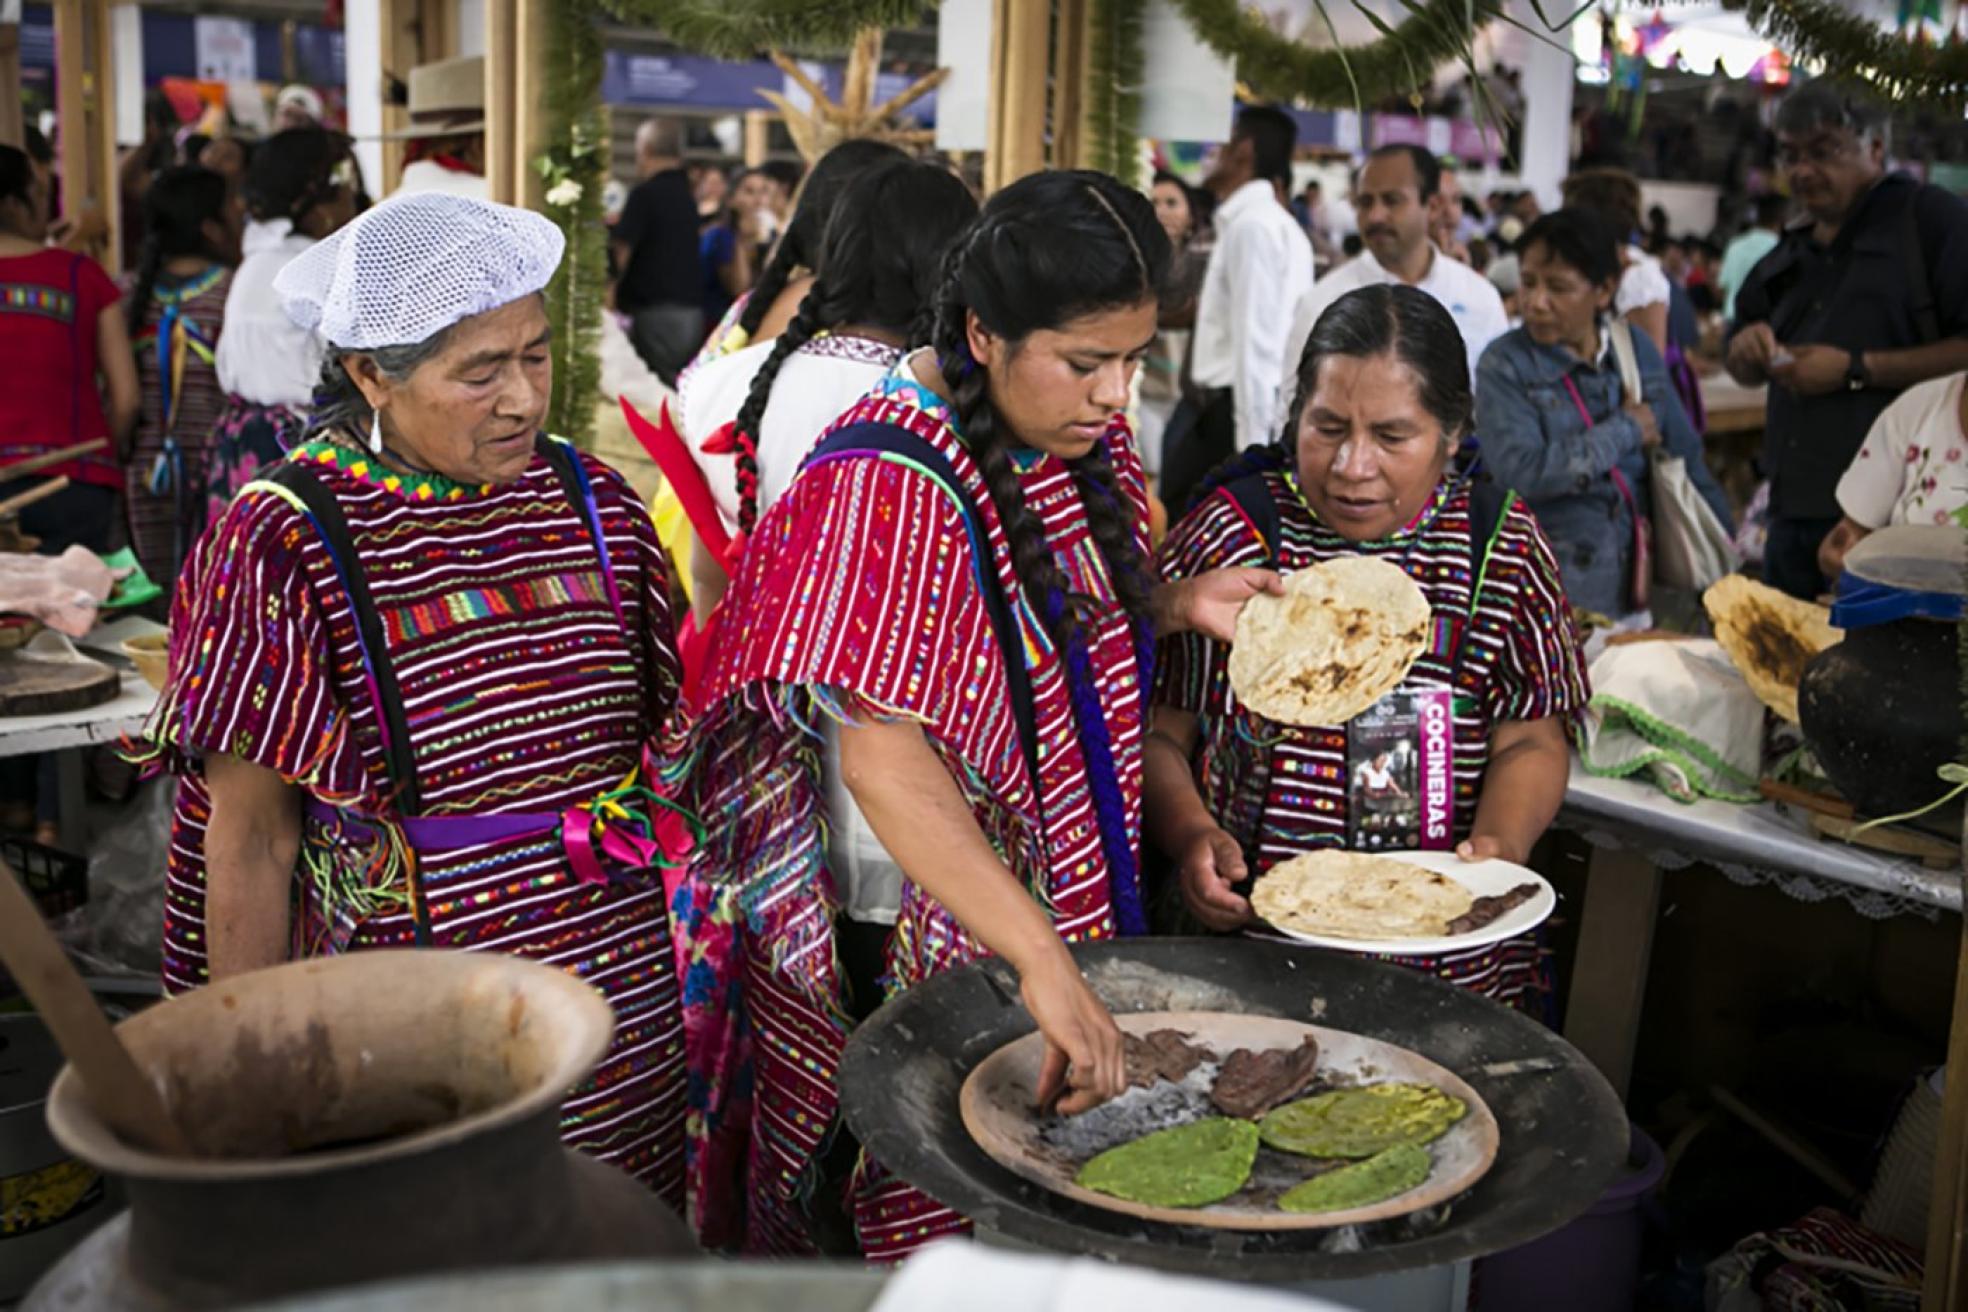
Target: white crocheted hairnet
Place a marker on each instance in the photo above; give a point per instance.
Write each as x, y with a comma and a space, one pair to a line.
415, 265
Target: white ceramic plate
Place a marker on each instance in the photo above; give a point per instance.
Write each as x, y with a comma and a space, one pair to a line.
1482, 879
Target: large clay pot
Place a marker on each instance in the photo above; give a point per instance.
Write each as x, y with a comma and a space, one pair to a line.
357, 1118
1881, 712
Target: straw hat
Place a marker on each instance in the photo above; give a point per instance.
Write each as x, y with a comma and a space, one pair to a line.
447, 99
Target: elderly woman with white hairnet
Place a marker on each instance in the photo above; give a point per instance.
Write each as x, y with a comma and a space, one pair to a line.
418, 667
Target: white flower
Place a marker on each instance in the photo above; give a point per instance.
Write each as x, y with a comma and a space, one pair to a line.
564, 193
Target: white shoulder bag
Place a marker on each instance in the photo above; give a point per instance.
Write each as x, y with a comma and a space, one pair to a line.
1691, 548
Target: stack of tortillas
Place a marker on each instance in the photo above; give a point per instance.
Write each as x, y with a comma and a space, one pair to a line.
1354, 895
1769, 636
1342, 637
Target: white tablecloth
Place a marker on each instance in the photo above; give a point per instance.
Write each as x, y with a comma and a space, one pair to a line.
1760, 844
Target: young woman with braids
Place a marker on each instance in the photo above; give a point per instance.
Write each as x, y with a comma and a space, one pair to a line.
302, 186
763, 312
752, 416
956, 579
176, 305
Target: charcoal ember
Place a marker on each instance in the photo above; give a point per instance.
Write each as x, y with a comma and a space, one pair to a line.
1161, 1055
1252, 1083
1484, 911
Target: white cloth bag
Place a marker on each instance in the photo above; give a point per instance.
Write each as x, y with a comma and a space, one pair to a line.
1691, 548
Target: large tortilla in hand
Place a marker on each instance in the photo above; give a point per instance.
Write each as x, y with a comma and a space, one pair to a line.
1341, 638
1770, 636
1354, 895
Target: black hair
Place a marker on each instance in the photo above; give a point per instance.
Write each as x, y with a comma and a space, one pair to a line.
16, 175
784, 172
1351, 244
1581, 238
799, 246
1273, 137
192, 147
1048, 249
293, 172
176, 208
1819, 105
880, 263
1201, 203
1614, 194
1771, 210
36, 143
1407, 323
1428, 168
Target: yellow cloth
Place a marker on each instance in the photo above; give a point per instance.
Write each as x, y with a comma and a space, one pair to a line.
673, 531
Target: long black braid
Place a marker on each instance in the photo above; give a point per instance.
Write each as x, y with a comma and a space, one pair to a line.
177, 206
799, 247
1049, 249
877, 269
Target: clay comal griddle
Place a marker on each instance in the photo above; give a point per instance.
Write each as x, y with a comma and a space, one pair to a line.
1563, 1131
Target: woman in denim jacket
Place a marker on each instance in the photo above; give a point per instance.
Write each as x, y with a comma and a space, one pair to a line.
1553, 423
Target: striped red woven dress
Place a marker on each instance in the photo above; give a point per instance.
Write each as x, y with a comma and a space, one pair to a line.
524, 693
1280, 790
857, 598
182, 399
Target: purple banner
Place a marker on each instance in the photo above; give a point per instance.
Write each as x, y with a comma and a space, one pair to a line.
1437, 769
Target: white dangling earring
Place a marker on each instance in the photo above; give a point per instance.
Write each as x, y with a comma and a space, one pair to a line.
376, 432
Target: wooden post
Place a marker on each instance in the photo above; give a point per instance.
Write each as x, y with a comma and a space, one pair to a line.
83, 87
1021, 37
501, 114
11, 125
529, 94
1947, 1213
758, 136
1069, 95
1616, 941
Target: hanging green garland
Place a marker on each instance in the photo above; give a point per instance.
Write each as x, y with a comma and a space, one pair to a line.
1855, 48
1402, 61
740, 29
1115, 63
574, 170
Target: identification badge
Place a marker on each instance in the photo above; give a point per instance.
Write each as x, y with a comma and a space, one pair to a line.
1400, 791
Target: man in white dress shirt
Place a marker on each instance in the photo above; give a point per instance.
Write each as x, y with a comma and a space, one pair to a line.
1261, 265
1394, 195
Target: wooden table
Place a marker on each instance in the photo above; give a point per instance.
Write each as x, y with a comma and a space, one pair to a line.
1636, 832
70, 733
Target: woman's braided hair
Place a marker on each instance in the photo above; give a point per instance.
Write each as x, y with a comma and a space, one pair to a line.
799, 247
878, 267
1049, 249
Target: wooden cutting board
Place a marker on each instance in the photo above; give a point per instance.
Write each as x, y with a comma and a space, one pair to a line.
30, 687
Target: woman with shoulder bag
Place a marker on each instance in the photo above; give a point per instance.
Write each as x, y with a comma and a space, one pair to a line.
1557, 422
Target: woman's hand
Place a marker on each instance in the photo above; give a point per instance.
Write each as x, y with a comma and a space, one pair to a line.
1487, 847
1210, 603
1210, 864
1832, 551
1642, 415
1084, 1058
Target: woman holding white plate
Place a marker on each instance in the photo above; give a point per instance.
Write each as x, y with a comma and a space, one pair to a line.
1383, 401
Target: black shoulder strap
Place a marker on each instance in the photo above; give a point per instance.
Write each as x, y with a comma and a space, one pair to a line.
875, 439
329, 521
